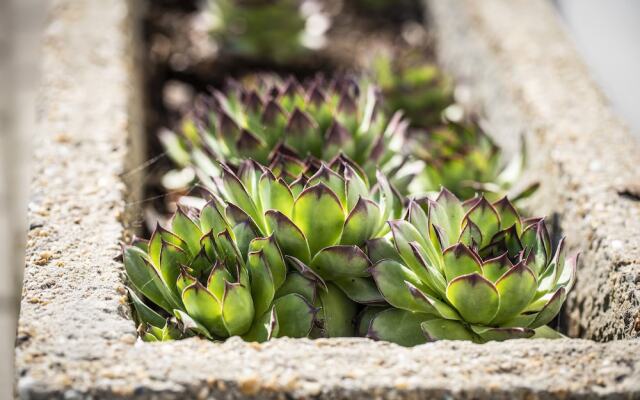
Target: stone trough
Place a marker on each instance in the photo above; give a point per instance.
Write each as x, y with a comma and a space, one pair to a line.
76, 338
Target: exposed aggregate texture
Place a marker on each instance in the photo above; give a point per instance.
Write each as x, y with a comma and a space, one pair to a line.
516, 59
76, 339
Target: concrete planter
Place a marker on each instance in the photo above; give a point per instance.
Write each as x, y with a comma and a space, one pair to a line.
76, 340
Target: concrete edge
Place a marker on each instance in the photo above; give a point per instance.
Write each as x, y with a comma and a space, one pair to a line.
517, 60
75, 339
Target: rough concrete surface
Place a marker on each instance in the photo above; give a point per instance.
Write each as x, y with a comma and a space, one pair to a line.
76, 340
525, 74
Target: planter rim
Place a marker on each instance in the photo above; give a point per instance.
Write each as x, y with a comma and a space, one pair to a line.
76, 338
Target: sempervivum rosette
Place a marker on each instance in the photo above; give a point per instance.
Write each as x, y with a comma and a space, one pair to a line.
321, 221
265, 117
472, 270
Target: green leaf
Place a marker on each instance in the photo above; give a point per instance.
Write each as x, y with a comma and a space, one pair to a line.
516, 288
403, 234
237, 194
187, 230
447, 213
340, 262
475, 298
494, 268
273, 258
289, 237
171, 258
356, 187
200, 265
204, 307
545, 332
143, 312
294, 315
191, 324
332, 180
398, 326
319, 215
212, 217
217, 280
275, 194
184, 279
147, 280
460, 260
297, 283
501, 334
364, 319
550, 309
381, 249
262, 285
155, 243
337, 313
470, 235
361, 290
243, 234
263, 328
508, 214
486, 218
445, 329
362, 223
390, 277
237, 309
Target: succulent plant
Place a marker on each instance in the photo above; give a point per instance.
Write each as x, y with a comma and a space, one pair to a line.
321, 222
260, 29
462, 158
471, 271
213, 277
266, 117
418, 88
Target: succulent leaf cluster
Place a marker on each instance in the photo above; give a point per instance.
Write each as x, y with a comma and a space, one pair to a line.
322, 222
421, 90
474, 271
266, 118
254, 29
271, 258
464, 159
208, 277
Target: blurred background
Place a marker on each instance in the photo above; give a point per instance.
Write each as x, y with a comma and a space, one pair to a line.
606, 33
21, 24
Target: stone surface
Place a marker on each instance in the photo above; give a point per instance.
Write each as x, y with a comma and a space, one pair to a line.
515, 58
76, 339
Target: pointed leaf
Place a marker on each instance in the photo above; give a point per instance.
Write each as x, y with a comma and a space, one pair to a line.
381, 249
501, 334
494, 268
362, 224
486, 218
445, 329
337, 313
289, 237
237, 309
262, 285
340, 262
516, 288
204, 307
272, 256
188, 230
145, 313
475, 298
398, 326
147, 280
361, 290
460, 260
295, 316
319, 215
